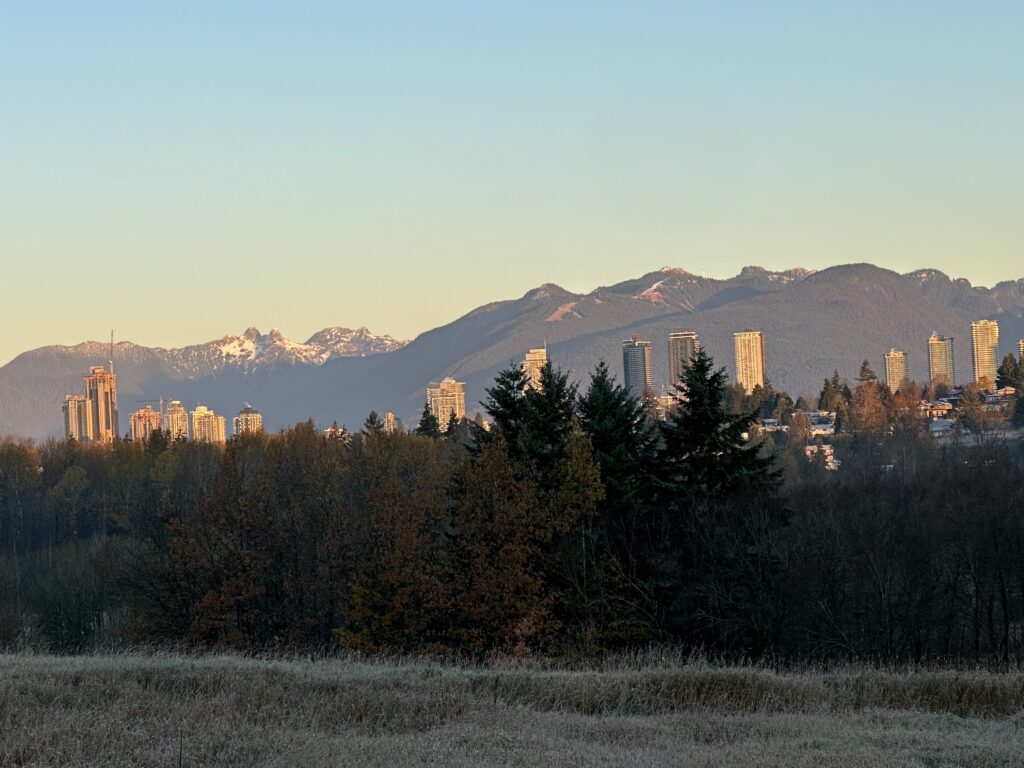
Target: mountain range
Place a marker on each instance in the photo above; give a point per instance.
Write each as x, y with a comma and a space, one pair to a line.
814, 322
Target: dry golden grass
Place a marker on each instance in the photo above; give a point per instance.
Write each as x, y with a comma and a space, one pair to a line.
171, 710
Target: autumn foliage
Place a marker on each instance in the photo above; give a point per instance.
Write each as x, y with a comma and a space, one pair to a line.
576, 524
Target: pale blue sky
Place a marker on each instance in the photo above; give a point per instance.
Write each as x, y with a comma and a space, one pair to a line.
178, 171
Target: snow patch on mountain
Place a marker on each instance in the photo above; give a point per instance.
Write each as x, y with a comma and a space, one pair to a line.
562, 312
652, 294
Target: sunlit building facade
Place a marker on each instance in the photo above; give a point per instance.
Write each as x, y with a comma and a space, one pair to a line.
750, 359
101, 391
77, 412
249, 421
896, 375
208, 427
533, 364
175, 421
445, 398
985, 351
144, 422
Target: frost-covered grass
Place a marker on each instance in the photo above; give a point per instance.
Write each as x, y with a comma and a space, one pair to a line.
171, 710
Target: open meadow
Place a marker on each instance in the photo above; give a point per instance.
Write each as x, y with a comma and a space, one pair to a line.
230, 711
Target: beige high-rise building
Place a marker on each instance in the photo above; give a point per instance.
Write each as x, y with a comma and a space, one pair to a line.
896, 375
101, 390
750, 359
208, 427
683, 346
1020, 349
636, 367
985, 351
533, 364
175, 421
445, 398
77, 412
249, 421
391, 422
940, 361
144, 422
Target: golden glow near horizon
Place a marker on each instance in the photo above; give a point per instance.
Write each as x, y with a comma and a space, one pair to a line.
338, 157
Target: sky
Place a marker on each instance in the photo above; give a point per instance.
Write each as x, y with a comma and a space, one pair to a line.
181, 171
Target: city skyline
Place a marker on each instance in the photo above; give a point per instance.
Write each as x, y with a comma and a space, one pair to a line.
281, 144
83, 416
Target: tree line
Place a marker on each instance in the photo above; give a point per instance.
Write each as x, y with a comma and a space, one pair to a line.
576, 523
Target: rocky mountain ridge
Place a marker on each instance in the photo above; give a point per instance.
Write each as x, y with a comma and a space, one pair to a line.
814, 322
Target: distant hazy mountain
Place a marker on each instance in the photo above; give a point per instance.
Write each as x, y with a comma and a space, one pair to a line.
33, 385
814, 322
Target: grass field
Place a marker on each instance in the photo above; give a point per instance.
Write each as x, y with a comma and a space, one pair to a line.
171, 710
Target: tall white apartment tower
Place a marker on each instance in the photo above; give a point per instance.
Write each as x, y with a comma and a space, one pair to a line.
77, 412
896, 375
175, 421
985, 351
249, 421
750, 359
636, 367
444, 398
208, 427
101, 391
533, 364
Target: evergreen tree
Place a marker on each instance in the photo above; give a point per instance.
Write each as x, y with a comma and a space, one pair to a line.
1010, 374
836, 397
866, 374
451, 429
428, 426
373, 424
549, 421
718, 509
706, 450
623, 539
508, 407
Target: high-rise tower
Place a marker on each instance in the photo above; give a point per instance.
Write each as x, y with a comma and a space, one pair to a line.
101, 391
144, 422
444, 398
750, 359
683, 346
940, 361
636, 367
175, 421
77, 412
248, 421
208, 427
985, 351
896, 369
533, 364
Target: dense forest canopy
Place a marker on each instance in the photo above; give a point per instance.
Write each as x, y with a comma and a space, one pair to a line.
578, 523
